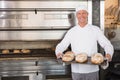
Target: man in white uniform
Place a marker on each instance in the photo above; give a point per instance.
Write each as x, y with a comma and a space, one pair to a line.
84, 38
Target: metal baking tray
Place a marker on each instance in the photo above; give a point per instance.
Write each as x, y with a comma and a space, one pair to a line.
87, 62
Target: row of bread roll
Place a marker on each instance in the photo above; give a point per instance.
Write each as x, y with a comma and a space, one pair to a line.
96, 58
21, 51
82, 57
6, 51
70, 56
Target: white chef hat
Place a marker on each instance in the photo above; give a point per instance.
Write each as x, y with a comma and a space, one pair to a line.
81, 7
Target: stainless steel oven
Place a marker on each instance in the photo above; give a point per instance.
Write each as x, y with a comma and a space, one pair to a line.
35, 25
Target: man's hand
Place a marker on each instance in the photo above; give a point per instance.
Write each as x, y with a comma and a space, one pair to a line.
108, 57
59, 55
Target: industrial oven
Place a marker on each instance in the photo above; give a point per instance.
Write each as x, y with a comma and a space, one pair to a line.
37, 26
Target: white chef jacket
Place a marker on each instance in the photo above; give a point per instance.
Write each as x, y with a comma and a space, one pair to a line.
84, 39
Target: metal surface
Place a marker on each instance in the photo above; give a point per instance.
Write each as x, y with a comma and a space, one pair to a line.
20, 21
16, 67
36, 20
44, 44
36, 65
32, 68
32, 35
42, 4
23, 77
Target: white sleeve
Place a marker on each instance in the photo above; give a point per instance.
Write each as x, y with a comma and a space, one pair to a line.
105, 43
63, 45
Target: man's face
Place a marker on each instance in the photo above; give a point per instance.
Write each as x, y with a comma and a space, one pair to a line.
82, 16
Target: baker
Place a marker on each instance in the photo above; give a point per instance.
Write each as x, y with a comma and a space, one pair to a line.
84, 38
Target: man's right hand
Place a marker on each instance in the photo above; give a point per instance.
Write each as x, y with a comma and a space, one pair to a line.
59, 55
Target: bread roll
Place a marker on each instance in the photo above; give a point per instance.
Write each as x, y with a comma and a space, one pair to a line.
25, 51
97, 58
16, 51
5, 51
68, 56
81, 58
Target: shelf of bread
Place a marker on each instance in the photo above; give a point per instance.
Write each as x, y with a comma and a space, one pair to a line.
15, 51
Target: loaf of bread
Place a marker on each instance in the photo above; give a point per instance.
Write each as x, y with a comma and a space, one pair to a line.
97, 58
5, 51
16, 51
68, 56
81, 58
25, 51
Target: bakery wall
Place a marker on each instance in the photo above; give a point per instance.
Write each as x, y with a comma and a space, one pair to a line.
112, 22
